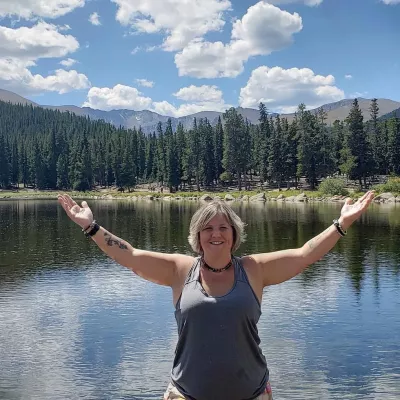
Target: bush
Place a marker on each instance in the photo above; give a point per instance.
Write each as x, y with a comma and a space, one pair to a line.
226, 177
333, 187
392, 185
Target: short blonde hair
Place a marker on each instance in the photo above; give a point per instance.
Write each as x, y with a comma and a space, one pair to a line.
203, 216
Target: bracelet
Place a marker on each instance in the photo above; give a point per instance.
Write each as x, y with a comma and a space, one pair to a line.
339, 228
91, 230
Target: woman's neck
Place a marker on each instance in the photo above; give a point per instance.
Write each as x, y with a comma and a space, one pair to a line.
217, 261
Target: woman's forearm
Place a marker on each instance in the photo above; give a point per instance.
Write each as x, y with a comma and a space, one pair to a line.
317, 247
116, 248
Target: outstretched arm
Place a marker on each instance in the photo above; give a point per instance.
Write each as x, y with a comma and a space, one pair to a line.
280, 266
164, 269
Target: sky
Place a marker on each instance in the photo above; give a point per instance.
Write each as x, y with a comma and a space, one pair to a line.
178, 57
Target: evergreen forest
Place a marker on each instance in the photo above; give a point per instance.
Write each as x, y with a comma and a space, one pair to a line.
47, 149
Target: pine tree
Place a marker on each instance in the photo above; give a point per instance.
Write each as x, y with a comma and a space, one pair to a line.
265, 137
376, 139
4, 163
358, 145
172, 170
218, 149
236, 145
393, 127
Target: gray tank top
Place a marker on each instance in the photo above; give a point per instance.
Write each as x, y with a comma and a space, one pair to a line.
217, 356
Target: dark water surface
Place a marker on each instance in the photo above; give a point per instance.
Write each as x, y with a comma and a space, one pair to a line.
75, 325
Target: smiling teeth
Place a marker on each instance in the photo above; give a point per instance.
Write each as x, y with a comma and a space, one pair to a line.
216, 242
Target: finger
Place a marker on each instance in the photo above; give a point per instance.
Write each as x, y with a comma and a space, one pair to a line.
363, 197
84, 204
70, 201
348, 201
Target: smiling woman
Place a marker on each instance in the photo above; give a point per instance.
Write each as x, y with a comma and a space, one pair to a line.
217, 296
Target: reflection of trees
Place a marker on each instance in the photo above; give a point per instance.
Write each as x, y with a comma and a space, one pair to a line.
38, 235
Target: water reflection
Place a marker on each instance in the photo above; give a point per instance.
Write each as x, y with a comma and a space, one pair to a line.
76, 325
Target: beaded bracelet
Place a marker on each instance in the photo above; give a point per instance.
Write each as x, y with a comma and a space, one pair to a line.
91, 230
341, 231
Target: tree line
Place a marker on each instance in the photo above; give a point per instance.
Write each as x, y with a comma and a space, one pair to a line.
48, 149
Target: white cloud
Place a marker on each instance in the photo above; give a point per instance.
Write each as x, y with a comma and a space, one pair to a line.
357, 95
282, 90
262, 30
94, 19
348, 76
181, 20
145, 83
310, 3
391, 2
136, 50
38, 8
166, 108
69, 62
62, 82
199, 98
120, 96
205, 98
42, 40
200, 93
15, 75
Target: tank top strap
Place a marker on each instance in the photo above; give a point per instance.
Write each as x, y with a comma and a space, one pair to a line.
194, 271
240, 272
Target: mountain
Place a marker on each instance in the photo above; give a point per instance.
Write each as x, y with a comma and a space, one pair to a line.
394, 113
14, 98
148, 120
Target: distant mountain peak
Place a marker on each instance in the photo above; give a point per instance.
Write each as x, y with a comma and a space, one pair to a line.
148, 120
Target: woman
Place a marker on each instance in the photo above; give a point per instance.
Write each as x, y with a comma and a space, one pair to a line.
217, 296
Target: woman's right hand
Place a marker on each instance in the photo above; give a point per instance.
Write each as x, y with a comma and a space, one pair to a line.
82, 216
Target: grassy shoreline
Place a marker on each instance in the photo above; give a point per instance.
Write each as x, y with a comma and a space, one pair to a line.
24, 194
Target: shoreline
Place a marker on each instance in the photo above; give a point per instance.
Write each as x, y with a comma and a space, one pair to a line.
283, 196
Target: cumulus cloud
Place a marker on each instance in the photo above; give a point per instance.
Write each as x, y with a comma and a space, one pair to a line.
120, 96
94, 19
199, 93
181, 20
40, 41
196, 99
348, 76
166, 108
38, 8
68, 63
145, 83
391, 2
262, 30
282, 90
20, 49
310, 3
15, 75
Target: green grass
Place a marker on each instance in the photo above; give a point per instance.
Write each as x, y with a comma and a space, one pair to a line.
49, 194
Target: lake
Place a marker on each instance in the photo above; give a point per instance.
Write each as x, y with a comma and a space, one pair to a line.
74, 324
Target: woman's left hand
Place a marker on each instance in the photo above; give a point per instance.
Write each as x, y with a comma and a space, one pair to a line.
351, 212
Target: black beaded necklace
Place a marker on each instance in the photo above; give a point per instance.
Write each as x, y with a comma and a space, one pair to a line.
217, 270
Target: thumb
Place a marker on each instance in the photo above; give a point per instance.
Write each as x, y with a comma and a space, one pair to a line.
349, 201
84, 204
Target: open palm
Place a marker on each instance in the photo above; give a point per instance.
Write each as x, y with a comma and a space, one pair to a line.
350, 212
82, 216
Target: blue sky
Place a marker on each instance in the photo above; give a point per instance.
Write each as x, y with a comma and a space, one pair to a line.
177, 57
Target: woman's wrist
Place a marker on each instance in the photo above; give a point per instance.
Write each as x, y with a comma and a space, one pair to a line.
344, 223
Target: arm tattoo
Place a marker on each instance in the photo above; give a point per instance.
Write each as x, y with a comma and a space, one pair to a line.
111, 241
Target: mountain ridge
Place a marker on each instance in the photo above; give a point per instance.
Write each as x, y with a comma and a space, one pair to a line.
148, 120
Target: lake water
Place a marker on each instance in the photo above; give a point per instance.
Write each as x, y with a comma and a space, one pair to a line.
74, 324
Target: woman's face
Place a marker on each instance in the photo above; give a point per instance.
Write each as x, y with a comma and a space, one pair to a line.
217, 236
